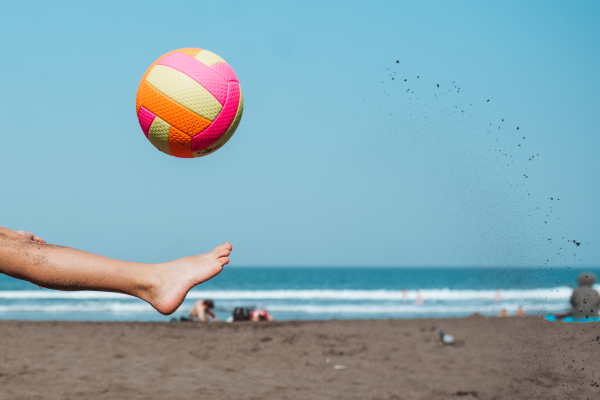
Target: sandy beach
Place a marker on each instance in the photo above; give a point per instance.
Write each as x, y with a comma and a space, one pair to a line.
498, 358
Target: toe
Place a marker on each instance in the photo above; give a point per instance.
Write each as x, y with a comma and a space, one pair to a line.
223, 253
224, 246
224, 260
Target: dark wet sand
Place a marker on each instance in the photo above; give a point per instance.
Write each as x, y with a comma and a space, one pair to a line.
502, 358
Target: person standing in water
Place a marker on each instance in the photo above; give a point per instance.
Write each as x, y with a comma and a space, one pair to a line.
585, 300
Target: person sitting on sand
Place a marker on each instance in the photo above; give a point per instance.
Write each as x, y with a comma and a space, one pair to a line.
259, 314
585, 300
520, 312
202, 311
503, 313
164, 286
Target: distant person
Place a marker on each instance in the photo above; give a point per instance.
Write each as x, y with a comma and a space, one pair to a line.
259, 314
520, 312
585, 300
419, 299
503, 313
202, 311
497, 296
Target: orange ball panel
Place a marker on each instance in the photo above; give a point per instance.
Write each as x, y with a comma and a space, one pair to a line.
180, 144
172, 113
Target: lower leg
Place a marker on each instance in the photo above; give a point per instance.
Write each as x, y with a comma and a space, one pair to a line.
163, 285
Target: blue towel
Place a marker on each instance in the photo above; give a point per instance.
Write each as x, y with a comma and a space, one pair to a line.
571, 319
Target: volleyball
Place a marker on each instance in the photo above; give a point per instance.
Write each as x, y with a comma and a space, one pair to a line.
189, 103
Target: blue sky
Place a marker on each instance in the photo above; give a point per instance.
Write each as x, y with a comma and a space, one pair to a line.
334, 163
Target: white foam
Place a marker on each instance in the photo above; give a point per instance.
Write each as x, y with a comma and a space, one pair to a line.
113, 307
330, 303
560, 293
413, 309
57, 294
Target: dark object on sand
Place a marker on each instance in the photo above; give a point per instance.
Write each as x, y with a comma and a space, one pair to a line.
585, 300
241, 314
446, 339
184, 319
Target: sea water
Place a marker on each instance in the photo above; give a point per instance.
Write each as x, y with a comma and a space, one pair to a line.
320, 293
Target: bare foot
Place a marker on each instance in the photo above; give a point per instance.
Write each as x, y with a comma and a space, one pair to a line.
176, 278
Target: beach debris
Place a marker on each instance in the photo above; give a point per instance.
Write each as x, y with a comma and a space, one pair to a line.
446, 339
512, 158
465, 393
339, 367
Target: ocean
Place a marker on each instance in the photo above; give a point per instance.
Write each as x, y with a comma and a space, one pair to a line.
320, 293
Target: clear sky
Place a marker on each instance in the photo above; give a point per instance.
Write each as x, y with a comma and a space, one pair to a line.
334, 163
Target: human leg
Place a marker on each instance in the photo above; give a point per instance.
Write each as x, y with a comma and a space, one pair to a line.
163, 285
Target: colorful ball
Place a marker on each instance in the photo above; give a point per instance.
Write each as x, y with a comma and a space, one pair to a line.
189, 103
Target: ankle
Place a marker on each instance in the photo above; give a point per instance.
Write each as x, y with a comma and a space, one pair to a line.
149, 283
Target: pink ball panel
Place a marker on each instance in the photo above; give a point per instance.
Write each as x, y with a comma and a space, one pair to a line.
222, 122
211, 80
146, 118
225, 71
